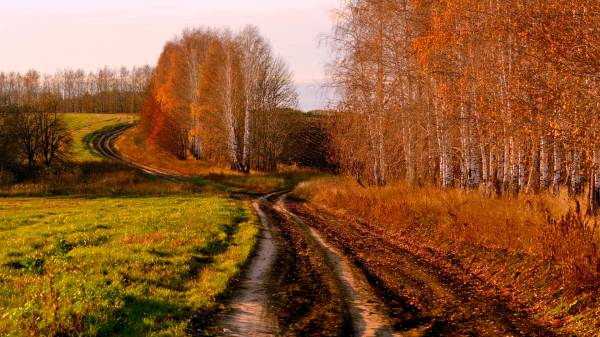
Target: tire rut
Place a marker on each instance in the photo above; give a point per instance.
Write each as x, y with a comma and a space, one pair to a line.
424, 297
248, 314
306, 298
367, 313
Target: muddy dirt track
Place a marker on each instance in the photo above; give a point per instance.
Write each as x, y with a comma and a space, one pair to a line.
315, 275
336, 278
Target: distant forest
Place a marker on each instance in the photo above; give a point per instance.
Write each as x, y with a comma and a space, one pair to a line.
105, 91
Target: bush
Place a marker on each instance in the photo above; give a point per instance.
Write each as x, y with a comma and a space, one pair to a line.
6, 178
573, 242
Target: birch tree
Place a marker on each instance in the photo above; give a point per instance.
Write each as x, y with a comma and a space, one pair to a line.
225, 92
498, 95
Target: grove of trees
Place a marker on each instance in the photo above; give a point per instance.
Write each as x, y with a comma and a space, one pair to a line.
221, 97
498, 95
105, 91
32, 139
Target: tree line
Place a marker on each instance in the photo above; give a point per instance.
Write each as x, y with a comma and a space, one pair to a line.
33, 137
498, 95
107, 90
220, 96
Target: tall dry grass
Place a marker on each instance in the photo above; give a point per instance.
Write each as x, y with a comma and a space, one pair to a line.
543, 225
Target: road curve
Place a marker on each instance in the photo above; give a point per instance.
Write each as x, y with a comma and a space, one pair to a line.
104, 144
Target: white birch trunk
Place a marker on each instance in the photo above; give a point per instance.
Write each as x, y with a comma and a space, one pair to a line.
506, 164
595, 190
464, 147
521, 168
230, 124
444, 157
557, 167
543, 164
484, 169
474, 173
247, 131
576, 173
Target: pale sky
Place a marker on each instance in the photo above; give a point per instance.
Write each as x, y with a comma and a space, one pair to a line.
47, 35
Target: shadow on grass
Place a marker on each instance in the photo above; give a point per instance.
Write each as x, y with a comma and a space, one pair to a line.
205, 255
139, 316
255, 185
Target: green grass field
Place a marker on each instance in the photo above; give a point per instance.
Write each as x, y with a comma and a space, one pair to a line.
83, 126
121, 266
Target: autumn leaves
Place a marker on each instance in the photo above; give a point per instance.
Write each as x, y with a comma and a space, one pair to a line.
497, 95
218, 96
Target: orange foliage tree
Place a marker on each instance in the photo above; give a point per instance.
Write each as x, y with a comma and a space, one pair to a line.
219, 96
497, 95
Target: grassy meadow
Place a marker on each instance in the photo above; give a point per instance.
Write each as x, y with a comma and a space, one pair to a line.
120, 266
100, 249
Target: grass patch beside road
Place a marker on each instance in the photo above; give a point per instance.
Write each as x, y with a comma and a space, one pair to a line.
118, 267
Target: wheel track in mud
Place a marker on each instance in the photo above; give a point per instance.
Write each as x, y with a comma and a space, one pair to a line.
366, 311
425, 296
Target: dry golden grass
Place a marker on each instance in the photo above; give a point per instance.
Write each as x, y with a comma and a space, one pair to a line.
144, 239
541, 225
133, 145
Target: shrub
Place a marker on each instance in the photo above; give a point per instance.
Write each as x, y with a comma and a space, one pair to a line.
573, 242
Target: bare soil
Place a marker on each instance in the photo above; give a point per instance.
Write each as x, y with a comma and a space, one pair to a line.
247, 314
305, 296
423, 297
366, 310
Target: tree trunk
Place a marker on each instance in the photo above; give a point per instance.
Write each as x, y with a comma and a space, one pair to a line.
229, 113
543, 164
557, 168
576, 173
595, 182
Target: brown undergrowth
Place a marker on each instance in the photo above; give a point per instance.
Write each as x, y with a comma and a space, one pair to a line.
133, 145
541, 250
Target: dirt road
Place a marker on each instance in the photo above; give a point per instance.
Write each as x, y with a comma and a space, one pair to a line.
315, 275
